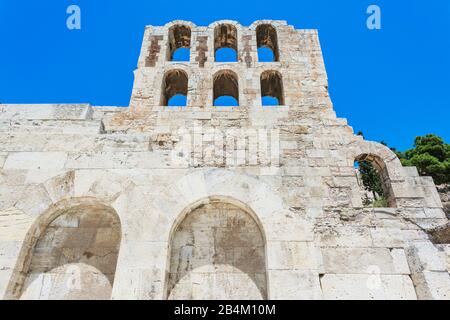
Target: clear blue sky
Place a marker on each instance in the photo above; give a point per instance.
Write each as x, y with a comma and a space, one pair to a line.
393, 84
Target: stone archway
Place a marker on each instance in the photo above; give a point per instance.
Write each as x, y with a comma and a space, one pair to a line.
217, 252
69, 253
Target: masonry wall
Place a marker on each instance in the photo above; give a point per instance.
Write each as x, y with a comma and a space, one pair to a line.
285, 172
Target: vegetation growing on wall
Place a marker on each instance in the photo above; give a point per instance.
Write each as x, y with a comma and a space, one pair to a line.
431, 156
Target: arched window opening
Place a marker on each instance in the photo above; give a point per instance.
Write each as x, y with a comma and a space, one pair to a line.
177, 100
266, 39
265, 55
225, 43
271, 88
373, 180
269, 101
74, 257
179, 43
219, 248
226, 55
226, 101
175, 84
181, 54
226, 88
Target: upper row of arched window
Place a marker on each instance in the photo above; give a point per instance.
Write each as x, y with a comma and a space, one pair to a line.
225, 43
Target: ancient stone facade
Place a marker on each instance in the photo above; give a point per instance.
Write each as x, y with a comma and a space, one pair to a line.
202, 201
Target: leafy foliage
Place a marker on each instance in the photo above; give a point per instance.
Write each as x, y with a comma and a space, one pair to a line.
371, 179
431, 156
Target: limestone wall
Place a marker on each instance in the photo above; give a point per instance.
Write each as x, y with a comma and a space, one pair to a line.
217, 252
190, 184
444, 193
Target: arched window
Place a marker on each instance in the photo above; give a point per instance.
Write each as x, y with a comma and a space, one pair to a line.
179, 43
174, 88
271, 88
226, 88
217, 252
373, 180
267, 43
70, 257
225, 43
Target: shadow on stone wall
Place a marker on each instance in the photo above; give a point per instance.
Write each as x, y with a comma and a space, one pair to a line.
444, 193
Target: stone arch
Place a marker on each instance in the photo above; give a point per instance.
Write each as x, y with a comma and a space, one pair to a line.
384, 160
272, 85
225, 36
215, 241
225, 83
266, 37
179, 36
187, 23
277, 222
381, 171
175, 82
70, 252
275, 23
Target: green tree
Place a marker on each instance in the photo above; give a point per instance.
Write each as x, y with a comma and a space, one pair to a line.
371, 179
431, 156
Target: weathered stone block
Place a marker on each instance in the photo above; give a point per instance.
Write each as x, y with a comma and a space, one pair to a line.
294, 285
367, 287
360, 260
35, 160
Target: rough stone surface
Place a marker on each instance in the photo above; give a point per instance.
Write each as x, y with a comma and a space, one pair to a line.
217, 251
444, 193
197, 201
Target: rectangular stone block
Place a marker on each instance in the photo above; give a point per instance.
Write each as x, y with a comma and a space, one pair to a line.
35, 160
359, 261
432, 285
14, 225
138, 254
139, 284
351, 236
285, 255
367, 287
294, 285
445, 253
46, 111
424, 256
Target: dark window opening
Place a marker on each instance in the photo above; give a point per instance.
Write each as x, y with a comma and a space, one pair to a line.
271, 88
226, 55
179, 38
266, 38
226, 89
177, 100
225, 36
265, 55
226, 101
175, 83
181, 54
373, 180
269, 101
